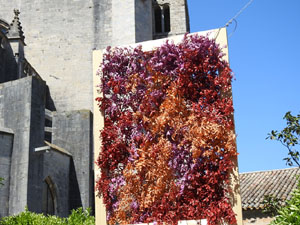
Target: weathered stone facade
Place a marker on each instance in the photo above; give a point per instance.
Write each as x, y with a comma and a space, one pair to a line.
6, 143
46, 151
38, 174
73, 131
62, 34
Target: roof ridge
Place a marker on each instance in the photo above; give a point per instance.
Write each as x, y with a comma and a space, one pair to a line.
255, 185
263, 171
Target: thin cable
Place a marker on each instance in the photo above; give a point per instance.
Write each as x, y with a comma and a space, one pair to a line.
217, 34
234, 19
232, 32
239, 13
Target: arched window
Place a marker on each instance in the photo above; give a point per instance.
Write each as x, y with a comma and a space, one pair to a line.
162, 22
49, 197
158, 19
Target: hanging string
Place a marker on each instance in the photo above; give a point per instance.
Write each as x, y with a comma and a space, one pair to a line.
239, 13
235, 22
234, 19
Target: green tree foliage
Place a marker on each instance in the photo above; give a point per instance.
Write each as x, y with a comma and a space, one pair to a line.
77, 217
1, 181
271, 205
289, 137
290, 213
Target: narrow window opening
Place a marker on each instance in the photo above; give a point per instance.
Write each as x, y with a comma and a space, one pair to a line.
48, 129
48, 136
158, 19
167, 24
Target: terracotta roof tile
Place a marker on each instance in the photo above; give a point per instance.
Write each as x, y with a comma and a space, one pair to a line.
255, 185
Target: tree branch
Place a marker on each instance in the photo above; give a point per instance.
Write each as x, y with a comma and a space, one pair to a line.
291, 153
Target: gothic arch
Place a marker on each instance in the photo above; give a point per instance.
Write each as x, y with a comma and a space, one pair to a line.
161, 19
49, 197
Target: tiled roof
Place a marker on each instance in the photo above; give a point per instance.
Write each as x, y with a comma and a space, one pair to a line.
255, 185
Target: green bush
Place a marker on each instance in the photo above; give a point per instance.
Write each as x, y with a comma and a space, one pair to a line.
81, 216
78, 216
290, 213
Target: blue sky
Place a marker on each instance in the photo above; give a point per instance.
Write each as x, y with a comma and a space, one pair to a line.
264, 56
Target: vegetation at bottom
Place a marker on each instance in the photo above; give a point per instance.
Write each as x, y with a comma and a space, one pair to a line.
78, 216
290, 213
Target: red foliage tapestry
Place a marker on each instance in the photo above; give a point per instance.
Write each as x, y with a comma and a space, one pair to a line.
168, 138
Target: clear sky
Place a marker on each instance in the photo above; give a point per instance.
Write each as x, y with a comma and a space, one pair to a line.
264, 54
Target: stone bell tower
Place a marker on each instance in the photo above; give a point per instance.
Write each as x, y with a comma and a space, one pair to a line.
61, 36
141, 20
170, 17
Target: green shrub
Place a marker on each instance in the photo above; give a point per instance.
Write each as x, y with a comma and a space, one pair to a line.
78, 216
290, 213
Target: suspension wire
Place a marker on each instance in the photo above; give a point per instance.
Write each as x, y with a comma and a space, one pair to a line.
232, 32
239, 13
234, 19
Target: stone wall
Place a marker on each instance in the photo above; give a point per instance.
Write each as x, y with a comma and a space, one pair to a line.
37, 134
131, 21
73, 132
18, 108
143, 20
6, 146
56, 166
102, 16
61, 35
257, 217
123, 24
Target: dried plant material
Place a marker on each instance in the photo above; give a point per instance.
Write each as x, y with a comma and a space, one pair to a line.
169, 137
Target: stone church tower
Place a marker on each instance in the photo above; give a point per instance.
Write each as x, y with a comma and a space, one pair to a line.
61, 34
55, 104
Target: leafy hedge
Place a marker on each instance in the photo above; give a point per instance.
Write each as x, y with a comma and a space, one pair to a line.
78, 216
290, 213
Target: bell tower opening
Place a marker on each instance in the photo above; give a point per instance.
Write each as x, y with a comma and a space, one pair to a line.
162, 20
169, 18
166, 16
158, 19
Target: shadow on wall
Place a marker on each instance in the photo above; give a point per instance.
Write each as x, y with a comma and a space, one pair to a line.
49, 101
74, 192
8, 64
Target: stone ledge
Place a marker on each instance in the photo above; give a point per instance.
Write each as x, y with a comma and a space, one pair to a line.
6, 130
50, 146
